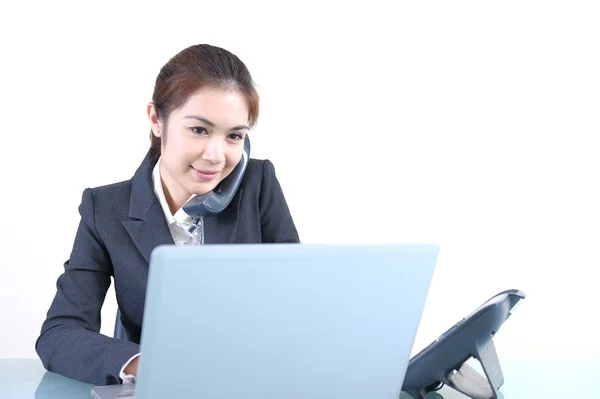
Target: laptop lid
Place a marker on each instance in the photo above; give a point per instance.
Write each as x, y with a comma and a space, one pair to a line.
282, 320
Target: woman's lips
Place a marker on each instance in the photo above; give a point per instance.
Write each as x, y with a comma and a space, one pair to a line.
206, 175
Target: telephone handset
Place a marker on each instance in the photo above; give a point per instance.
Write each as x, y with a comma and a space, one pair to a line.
217, 200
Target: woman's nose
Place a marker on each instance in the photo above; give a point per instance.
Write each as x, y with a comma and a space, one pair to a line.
214, 151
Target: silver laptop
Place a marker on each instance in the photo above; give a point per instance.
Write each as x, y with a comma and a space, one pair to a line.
274, 321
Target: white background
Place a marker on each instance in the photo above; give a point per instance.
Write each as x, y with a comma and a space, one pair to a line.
468, 124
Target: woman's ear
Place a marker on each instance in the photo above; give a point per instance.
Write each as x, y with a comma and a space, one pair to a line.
154, 120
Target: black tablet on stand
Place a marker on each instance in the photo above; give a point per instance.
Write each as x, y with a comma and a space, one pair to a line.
443, 362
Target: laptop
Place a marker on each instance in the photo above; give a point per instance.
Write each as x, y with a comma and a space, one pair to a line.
274, 321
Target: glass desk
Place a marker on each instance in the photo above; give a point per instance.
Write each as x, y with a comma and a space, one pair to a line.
27, 379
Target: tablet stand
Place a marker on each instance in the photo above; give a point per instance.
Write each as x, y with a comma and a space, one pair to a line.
445, 360
471, 383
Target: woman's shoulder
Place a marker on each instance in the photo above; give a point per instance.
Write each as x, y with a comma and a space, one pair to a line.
256, 167
112, 192
258, 171
108, 202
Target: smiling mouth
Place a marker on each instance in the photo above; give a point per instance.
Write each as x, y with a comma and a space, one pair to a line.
205, 175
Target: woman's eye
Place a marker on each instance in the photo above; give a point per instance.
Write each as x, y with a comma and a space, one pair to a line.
235, 136
198, 130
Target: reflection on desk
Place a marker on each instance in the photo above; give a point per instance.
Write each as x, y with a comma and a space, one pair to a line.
524, 379
537, 379
27, 379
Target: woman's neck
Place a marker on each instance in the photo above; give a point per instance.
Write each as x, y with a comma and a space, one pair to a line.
175, 195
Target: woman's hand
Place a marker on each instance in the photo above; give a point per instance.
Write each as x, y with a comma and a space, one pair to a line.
132, 367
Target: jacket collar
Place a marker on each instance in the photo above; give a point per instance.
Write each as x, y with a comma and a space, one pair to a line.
143, 199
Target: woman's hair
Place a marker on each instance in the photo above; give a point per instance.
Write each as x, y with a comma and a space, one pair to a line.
196, 67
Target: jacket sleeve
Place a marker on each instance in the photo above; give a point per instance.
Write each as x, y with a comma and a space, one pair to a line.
277, 225
70, 342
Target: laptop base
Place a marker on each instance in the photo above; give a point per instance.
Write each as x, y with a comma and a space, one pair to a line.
114, 391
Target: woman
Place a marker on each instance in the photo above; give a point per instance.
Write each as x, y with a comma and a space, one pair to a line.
203, 106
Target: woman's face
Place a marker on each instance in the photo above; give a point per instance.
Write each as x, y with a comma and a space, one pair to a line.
204, 142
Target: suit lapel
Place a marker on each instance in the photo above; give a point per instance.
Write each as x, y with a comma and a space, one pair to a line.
148, 227
150, 233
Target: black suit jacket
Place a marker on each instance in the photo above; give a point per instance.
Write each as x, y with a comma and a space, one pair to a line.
120, 226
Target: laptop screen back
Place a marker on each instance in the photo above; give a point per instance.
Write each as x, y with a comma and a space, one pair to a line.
282, 320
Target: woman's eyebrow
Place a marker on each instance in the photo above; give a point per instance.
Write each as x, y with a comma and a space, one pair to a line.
209, 123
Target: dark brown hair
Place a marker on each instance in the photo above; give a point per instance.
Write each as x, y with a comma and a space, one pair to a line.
194, 68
